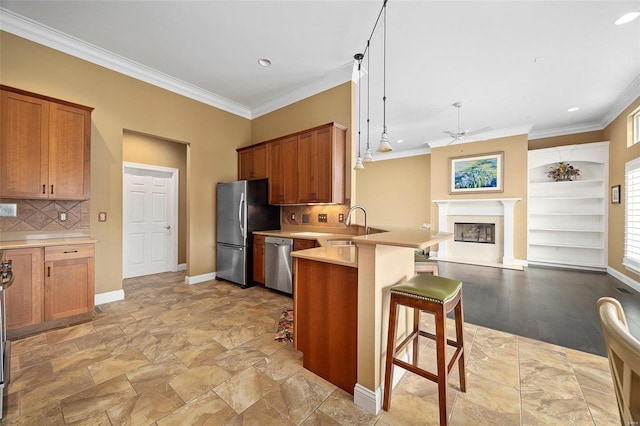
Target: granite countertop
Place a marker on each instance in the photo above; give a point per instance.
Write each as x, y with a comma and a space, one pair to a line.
348, 255
45, 242
338, 255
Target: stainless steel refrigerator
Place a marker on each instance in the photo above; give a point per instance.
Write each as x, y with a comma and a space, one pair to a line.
242, 207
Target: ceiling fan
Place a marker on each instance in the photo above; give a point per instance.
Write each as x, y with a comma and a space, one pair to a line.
460, 134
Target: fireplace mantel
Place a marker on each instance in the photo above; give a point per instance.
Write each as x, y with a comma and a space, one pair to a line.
480, 207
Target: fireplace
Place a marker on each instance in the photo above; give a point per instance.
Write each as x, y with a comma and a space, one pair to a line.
474, 232
486, 221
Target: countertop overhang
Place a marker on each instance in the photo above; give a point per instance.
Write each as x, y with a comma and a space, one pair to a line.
45, 242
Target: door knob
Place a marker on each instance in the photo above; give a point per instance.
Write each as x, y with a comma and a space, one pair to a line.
167, 227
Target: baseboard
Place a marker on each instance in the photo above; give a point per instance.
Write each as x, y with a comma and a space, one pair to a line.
108, 297
182, 267
625, 279
367, 399
196, 279
372, 401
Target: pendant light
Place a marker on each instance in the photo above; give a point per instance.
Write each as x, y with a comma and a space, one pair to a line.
368, 158
358, 57
384, 139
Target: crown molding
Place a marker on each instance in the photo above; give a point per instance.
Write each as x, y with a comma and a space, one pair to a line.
630, 94
47, 36
328, 81
568, 130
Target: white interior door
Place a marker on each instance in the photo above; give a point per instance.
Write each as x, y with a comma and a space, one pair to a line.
149, 220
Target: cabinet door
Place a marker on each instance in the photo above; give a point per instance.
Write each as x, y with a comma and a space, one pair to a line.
25, 296
24, 136
259, 162
300, 244
258, 258
306, 176
69, 287
244, 164
69, 152
282, 171
315, 168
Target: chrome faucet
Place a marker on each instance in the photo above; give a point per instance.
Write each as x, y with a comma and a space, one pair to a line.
347, 221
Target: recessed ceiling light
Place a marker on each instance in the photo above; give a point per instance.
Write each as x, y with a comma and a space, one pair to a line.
264, 62
400, 140
573, 109
627, 17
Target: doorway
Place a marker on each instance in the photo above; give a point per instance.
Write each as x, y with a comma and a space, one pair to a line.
149, 219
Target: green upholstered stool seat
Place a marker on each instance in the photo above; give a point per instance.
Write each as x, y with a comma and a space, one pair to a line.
429, 287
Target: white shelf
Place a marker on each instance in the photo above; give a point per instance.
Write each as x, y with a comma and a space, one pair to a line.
568, 219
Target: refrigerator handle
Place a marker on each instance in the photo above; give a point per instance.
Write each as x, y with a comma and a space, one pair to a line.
240, 219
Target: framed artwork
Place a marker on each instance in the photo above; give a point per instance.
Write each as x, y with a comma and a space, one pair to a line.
615, 194
476, 173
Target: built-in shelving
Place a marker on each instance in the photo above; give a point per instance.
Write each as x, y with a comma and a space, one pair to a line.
567, 221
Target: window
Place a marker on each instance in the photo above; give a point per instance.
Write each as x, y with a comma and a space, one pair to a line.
632, 216
636, 127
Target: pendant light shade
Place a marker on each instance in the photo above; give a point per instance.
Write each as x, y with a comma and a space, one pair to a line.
384, 146
359, 164
368, 158
384, 139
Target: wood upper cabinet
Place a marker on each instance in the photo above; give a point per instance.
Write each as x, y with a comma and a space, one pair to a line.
258, 258
252, 162
69, 280
283, 170
45, 147
25, 296
321, 164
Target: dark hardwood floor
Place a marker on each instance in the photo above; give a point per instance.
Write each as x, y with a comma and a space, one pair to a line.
557, 306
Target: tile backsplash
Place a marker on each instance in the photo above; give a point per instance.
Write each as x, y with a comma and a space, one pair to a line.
42, 215
332, 211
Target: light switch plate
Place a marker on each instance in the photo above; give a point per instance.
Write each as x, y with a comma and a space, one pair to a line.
8, 210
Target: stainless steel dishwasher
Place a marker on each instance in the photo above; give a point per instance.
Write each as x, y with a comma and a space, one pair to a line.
278, 265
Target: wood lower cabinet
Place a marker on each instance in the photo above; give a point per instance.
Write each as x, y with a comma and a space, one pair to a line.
45, 147
301, 244
258, 258
25, 297
325, 304
69, 280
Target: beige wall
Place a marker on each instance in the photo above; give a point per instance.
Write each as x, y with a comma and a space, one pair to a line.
573, 139
122, 102
618, 133
143, 149
396, 192
515, 180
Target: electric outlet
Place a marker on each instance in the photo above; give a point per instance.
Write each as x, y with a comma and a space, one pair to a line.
341, 217
292, 216
62, 216
322, 217
305, 218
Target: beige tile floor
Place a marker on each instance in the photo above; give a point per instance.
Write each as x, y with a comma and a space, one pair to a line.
173, 354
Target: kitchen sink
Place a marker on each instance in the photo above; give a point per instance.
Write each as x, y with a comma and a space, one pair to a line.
341, 242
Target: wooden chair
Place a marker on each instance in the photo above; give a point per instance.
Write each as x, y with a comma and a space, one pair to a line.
439, 296
623, 351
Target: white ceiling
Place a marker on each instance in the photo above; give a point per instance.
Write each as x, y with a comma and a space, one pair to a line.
516, 66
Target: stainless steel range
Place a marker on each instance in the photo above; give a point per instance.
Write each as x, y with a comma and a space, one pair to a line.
6, 279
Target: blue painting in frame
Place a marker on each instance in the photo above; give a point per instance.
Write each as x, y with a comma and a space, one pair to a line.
476, 173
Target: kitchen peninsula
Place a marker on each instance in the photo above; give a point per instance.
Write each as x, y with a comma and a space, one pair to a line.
341, 296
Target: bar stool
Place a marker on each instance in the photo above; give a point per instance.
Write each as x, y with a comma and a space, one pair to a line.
439, 296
